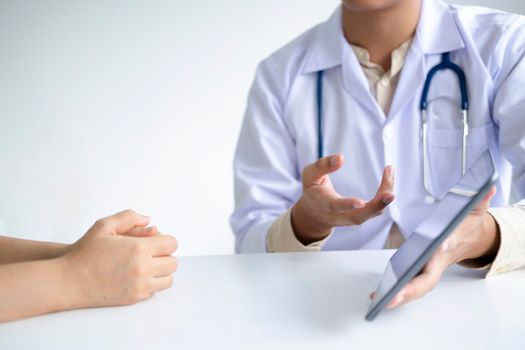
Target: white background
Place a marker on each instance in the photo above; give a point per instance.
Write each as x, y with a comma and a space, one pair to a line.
114, 104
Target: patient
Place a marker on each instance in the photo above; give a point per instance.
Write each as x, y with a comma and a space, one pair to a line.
118, 261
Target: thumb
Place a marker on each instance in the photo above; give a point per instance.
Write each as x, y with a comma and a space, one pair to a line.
123, 222
484, 204
314, 173
140, 231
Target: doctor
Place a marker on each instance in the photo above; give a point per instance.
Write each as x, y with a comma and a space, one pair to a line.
331, 154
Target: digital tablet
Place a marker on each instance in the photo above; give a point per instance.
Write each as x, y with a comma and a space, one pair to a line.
419, 247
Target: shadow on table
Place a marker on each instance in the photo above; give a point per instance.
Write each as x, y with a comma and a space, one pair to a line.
309, 292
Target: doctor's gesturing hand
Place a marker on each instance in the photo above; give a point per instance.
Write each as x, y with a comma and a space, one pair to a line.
476, 237
321, 208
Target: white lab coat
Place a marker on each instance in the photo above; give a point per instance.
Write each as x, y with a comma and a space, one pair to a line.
279, 133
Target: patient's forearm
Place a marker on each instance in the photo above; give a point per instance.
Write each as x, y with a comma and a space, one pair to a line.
17, 250
34, 288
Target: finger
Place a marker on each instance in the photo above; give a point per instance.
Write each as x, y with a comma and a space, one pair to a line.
314, 173
485, 202
345, 204
381, 200
415, 289
162, 283
161, 245
397, 300
142, 231
372, 208
123, 221
378, 203
421, 284
164, 265
387, 180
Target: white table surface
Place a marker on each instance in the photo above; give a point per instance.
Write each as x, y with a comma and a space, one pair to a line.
290, 301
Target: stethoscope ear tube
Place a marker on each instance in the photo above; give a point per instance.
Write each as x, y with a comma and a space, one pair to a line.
319, 96
445, 63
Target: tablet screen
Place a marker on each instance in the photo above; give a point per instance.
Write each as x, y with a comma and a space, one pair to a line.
427, 236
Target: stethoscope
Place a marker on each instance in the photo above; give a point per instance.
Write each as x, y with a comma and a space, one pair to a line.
445, 64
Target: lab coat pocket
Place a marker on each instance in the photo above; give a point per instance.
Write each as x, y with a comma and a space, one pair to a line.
445, 148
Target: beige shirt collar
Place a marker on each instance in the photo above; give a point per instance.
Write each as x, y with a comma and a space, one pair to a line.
397, 58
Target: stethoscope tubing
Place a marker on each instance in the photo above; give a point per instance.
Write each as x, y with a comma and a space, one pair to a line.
445, 64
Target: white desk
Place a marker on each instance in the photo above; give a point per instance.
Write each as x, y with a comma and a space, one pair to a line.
290, 301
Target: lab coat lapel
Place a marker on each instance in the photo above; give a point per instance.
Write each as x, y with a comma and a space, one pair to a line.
326, 50
436, 33
356, 84
330, 49
410, 82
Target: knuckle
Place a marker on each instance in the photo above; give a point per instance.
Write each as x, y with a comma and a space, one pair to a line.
136, 290
137, 248
129, 213
172, 243
137, 270
144, 295
307, 170
101, 224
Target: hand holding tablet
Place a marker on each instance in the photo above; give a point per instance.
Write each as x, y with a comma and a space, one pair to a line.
444, 238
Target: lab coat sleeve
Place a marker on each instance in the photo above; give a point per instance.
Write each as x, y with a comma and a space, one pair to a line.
266, 178
508, 109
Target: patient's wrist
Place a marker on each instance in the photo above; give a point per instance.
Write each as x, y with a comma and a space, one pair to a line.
72, 282
63, 249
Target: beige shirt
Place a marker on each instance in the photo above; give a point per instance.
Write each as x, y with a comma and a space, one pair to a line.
511, 220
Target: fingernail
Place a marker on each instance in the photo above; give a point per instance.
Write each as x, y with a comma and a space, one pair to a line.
334, 160
388, 199
392, 173
444, 247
